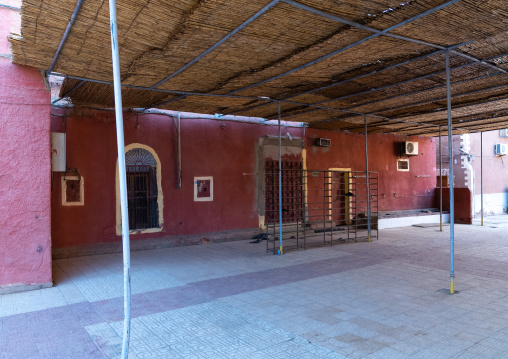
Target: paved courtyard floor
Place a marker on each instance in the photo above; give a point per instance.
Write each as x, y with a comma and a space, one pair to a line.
384, 299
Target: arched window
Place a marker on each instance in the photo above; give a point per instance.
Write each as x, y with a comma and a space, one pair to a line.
142, 191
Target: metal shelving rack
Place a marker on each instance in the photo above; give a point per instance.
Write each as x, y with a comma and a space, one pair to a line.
319, 207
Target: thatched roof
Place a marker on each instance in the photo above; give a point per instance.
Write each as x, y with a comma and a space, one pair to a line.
382, 58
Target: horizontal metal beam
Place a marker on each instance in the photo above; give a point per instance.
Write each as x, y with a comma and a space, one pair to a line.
69, 92
416, 115
66, 33
371, 29
155, 104
187, 93
337, 83
404, 94
220, 42
356, 113
421, 102
386, 31
461, 107
335, 18
456, 95
9, 7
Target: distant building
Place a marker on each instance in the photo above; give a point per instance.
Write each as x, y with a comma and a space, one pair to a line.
467, 159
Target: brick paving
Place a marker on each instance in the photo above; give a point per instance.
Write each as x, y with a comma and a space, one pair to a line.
384, 299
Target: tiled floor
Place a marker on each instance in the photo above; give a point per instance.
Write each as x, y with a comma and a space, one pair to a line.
384, 299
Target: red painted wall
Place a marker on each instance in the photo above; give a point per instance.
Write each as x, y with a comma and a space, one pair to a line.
462, 204
223, 149
25, 218
397, 190
226, 150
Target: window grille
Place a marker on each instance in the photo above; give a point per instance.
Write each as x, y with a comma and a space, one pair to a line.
142, 191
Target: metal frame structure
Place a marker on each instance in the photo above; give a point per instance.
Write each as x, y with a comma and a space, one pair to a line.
386, 32
320, 207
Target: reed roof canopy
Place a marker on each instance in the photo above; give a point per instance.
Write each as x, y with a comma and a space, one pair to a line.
330, 63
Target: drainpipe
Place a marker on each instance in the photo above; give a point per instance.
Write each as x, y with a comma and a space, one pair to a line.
481, 173
367, 179
280, 186
450, 155
440, 185
179, 153
122, 179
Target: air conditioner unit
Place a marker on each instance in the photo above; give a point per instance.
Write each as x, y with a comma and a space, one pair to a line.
410, 148
500, 149
323, 142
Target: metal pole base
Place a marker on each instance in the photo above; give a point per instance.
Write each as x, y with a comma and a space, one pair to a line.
452, 285
279, 252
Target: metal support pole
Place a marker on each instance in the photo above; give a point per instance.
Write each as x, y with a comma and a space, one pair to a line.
280, 185
440, 185
450, 155
122, 179
179, 154
367, 178
481, 173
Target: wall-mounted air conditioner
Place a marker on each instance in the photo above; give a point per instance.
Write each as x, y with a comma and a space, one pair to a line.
410, 148
500, 149
323, 142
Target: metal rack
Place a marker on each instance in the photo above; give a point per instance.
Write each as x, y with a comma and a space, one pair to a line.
319, 207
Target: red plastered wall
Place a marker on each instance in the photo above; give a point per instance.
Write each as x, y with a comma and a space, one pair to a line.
228, 151
397, 190
225, 150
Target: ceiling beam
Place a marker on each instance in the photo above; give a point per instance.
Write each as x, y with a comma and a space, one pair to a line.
377, 33
14, 8
461, 107
336, 83
217, 44
66, 33
404, 94
69, 92
386, 31
186, 93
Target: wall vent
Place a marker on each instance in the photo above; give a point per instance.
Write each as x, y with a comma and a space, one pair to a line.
323, 142
403, 165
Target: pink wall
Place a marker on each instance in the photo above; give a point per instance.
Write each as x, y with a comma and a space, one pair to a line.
25, 219
228, 151
495, 168
397, 190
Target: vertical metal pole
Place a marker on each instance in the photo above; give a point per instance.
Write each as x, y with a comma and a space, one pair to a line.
179, 154
450, 156
481, 173
122, 179
367, 178
440, 185
280, 184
